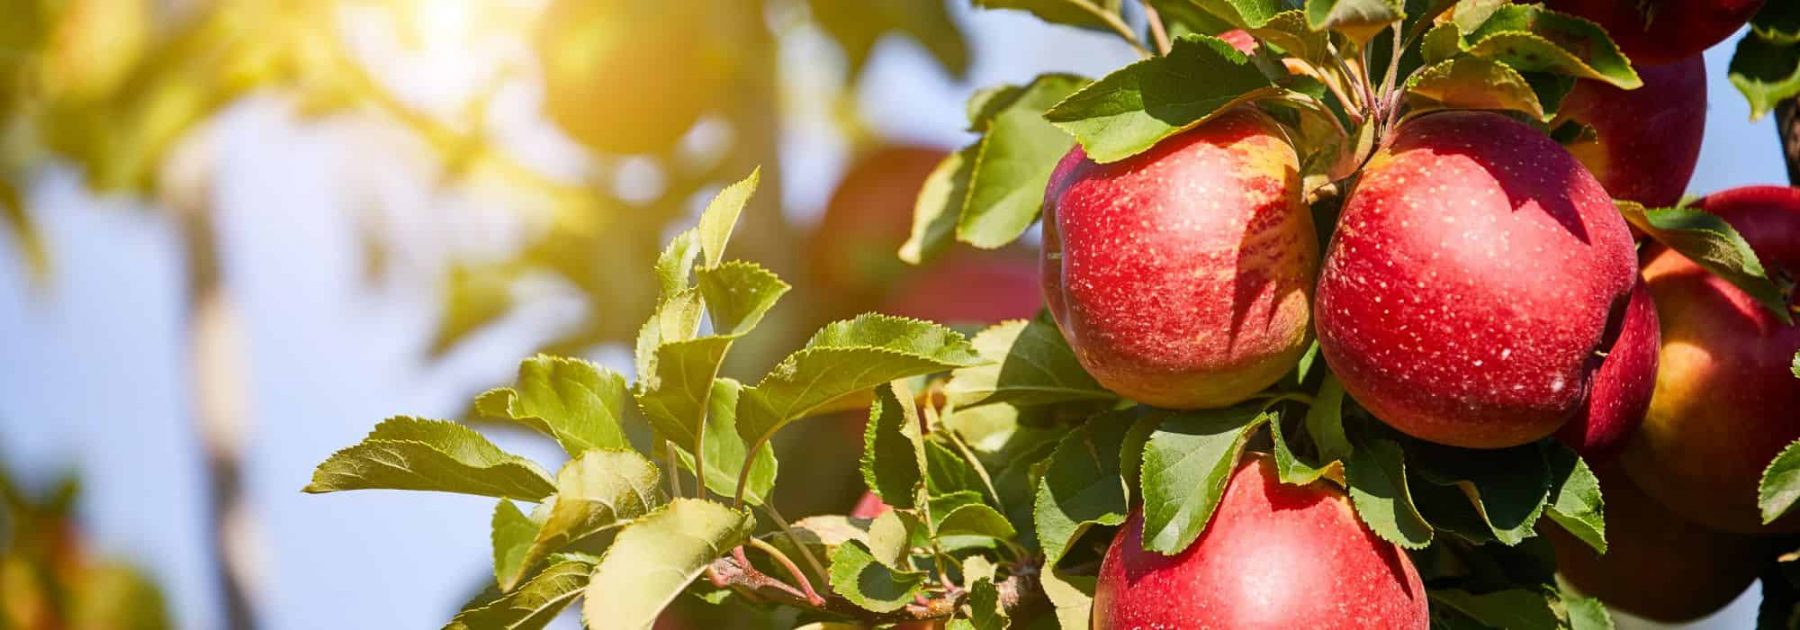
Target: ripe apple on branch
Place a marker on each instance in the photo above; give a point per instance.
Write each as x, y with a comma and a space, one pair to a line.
1347, 324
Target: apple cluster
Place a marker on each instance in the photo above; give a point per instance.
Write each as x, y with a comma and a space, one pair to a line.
1479, 290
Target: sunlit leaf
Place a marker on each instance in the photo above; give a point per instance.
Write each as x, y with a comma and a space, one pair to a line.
655, 557
405, 453
580, 404
594, 492
1030, 364
1710, 242
534, 604
721, 215
857, 577
1188, 461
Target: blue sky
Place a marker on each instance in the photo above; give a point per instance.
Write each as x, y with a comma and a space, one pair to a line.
92, 367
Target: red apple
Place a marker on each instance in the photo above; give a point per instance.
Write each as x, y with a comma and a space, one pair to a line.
1274, 556
851, 252
1726, 399
1621, 388
869, 506
1648, 138
1182, 276
1474, 272
1658, 565
1654, 32
966, 288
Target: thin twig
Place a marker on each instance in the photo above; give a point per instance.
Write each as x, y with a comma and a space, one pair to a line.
980, 469
1158, 32
788, 531
1117, 25
674, 470
787, 564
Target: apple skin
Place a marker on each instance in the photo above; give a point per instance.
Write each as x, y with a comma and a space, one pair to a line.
851, 253
622, 76
1274, 556
1620, 390
869, 506
1649, 138
1658, 565
1726, 396
1656, 32
1182, 276
1474, 272
970, 288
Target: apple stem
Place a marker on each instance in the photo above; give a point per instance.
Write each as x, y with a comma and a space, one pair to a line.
787, 564
1158, 32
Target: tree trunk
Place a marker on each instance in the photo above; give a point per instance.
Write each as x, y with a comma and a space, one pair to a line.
1787, 125
218, 385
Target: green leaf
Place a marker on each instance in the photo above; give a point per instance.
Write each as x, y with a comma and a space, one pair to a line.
580, 404
1130, 110
1290, 31
738, 294
474, 297
1082, 485
1796, 368
534, 604
1325, 421
858, 25
963, 513
1472, 83
1244, 13
1187, 464
1711, 243
940, 205
1575, 501
1029, 364
725, 449
1012, 165
1376, 474
655, 557
1072, 595
676, 318
947, 472
890, 538
597, 491
405, 453
845, 358
512, 535
856, 576
1181, 17
1586, 613
1095, 14
1290, 468
676, 263
1780, 486
1777, 23
1516, 609
1766, 72
985, 611
893, 459
721, 215
1358, 19
674, 396
1531, 38
1509, 487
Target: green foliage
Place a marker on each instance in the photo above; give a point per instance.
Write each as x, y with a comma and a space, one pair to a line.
434, 455
988, 193
597, 491
1130, 110
846, 358
1575, 502
535, 603
1766, 66
876, 587
1358, 19
654, 557
1376, 472
1780, 486
1711, 243
1097, 14
1529, 38
893, 459
1465, 82
1028, 363
858, 25
1082, 485
580, 404
1187, 462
